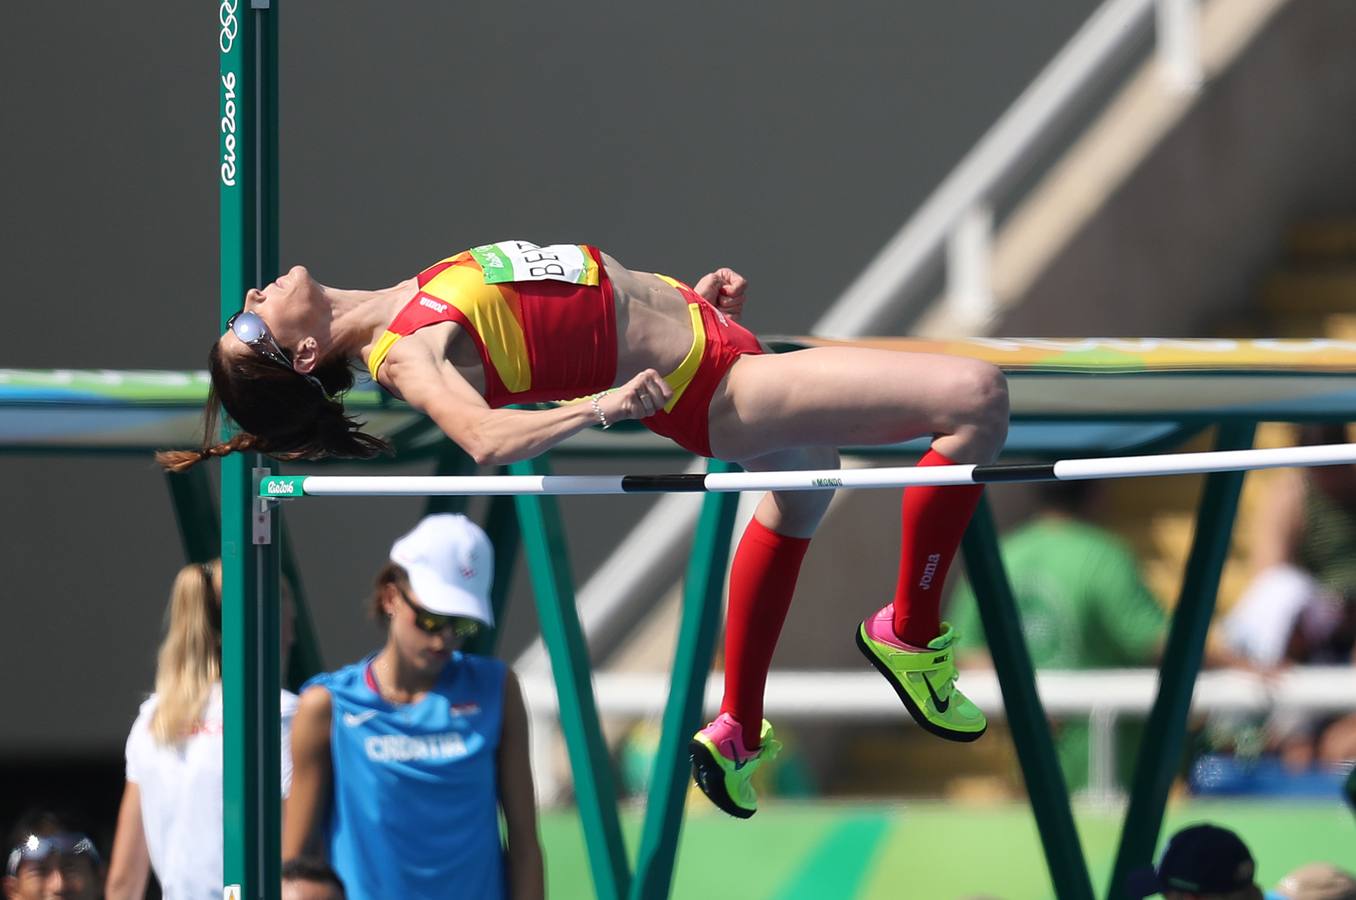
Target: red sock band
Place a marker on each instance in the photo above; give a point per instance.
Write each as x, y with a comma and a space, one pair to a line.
934, 520
762, 580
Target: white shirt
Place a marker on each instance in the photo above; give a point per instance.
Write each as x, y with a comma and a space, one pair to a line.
1259, 625
180, 787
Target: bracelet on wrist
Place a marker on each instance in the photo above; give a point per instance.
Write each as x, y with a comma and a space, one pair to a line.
598, 411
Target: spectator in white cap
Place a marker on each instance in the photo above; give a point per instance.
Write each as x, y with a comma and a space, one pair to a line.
403, 761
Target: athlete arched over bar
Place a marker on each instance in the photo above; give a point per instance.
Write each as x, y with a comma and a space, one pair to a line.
516, 323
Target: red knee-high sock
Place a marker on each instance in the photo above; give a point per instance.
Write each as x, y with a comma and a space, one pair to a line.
762, 580
934, 520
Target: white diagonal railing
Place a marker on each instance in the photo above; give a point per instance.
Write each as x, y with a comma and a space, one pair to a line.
955, 224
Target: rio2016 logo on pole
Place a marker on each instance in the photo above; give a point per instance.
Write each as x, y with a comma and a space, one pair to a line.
230, 27
228, 130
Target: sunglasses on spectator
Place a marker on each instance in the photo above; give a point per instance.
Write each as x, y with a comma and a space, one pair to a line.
36, 849
433, 623
251, 330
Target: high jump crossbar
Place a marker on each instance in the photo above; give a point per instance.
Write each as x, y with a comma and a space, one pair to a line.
281, 487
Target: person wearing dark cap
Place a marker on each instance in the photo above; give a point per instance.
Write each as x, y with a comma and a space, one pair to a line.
1201, 862
48, 857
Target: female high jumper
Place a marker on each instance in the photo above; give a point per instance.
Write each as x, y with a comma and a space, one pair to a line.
514, 323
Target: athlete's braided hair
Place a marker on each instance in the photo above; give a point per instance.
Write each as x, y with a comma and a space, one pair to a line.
281, 412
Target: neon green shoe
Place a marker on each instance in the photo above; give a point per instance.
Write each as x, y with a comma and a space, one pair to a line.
723, 766
924, 679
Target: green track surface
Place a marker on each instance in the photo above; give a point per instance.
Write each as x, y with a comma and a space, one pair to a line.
926, 849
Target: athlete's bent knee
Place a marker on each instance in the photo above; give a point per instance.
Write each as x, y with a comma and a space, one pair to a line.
981, 392
981, 410
796, 513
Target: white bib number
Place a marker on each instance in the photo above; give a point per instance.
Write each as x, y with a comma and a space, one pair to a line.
522, 261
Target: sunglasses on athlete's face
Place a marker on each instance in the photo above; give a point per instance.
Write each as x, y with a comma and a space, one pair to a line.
252, 331
433, 623
65, 847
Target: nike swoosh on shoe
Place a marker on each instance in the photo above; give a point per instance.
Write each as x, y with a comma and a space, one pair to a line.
942, 705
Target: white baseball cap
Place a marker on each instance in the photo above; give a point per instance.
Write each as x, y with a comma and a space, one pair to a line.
450, 563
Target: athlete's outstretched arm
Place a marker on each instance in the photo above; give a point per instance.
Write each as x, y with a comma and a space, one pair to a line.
500, 436
312, 771
527, 879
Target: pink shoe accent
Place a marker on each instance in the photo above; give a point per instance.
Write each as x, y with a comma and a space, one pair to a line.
881, 627
728, 736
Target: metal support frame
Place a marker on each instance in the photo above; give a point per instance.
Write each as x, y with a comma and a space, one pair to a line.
702, 592
1160, 751
452, 460
305, 658
553, 587
1045, 787
195, 514
548, 563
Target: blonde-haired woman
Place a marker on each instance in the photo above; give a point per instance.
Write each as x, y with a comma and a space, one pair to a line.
170, 818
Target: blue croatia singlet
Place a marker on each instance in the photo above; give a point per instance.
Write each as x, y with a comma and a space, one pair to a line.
415, 809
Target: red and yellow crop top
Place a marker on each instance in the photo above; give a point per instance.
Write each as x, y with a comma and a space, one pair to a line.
542, 318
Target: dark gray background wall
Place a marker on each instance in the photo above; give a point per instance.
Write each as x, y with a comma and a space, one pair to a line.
787, 139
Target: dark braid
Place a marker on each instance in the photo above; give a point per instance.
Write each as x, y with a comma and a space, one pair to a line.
281, 412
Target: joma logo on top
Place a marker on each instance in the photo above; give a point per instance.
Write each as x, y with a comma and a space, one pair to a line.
229, 25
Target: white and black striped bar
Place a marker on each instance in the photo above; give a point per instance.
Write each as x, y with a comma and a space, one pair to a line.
285, 486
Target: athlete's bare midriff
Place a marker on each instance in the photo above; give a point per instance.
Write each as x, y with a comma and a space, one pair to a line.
654, 328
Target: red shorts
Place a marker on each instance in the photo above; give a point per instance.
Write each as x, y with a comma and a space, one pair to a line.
685, 421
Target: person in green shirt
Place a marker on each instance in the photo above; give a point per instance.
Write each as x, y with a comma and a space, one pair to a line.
1083, 605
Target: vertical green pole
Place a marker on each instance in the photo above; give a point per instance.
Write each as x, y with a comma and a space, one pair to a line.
549, 565
1160, 751
247, 180
199, 527
702, 590
1045, 787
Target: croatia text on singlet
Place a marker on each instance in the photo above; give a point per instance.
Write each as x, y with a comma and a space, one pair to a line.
415, 805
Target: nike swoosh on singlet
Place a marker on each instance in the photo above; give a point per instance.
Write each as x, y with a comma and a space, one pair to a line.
942, 705
353, 720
